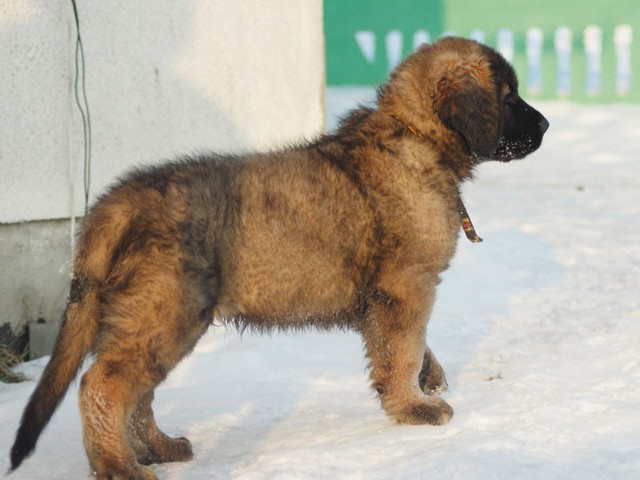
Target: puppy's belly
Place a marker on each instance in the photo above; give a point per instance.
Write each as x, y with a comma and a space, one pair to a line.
290, 285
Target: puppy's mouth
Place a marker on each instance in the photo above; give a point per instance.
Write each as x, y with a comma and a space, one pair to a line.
517, 149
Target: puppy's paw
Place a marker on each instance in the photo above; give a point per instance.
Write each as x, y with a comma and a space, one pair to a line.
432, 411
164, 450
433, 384
178, 450
129, 473
432, 379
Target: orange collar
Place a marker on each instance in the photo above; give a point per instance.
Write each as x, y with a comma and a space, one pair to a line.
467, 226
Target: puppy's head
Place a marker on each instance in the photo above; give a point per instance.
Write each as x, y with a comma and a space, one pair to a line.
522, 126
471, 91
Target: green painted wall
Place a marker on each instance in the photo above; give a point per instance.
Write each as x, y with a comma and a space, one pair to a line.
347, 65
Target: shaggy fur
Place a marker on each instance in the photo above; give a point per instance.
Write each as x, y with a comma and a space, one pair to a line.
350, 231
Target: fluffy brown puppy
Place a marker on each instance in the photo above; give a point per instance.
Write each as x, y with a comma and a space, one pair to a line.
351, 231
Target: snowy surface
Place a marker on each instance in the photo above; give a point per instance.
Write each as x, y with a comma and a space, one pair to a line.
538, 329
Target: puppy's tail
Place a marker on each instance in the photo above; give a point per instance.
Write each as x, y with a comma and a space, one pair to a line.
108, 231
74, 340
103, 236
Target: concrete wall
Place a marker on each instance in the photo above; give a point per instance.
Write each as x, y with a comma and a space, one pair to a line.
163, 77
35, 258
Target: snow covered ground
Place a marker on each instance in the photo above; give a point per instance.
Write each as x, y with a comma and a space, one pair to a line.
538, 329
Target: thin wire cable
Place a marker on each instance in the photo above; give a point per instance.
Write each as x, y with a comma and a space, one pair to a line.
83, 106
72, 189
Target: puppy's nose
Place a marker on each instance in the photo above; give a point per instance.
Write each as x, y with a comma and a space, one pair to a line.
544, 124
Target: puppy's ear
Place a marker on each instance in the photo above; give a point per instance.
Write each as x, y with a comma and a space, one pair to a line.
472, 111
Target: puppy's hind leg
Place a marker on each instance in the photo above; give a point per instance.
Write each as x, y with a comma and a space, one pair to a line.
149, 442
108, 394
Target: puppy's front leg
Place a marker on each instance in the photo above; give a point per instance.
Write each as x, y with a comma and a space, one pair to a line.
394, 337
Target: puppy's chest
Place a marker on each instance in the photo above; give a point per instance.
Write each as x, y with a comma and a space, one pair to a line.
422, 225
